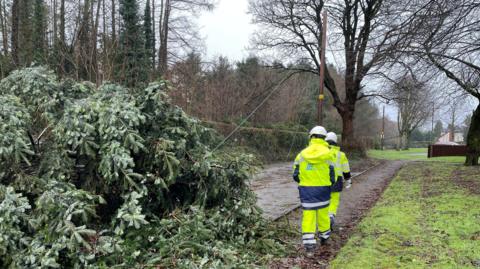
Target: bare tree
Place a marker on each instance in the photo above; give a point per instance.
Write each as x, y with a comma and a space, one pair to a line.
412, 99
175, 27
365, 27
447, 37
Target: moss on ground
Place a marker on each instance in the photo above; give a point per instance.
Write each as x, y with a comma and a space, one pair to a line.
416, 154
429, 217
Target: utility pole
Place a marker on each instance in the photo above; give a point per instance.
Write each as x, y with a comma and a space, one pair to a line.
383, 129
433, 119
321, 96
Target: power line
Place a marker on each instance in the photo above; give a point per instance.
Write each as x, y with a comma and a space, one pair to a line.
256, 128
333, 53
254, 110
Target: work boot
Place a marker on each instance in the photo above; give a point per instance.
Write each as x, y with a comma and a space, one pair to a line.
324, 237
332, 221
309, 251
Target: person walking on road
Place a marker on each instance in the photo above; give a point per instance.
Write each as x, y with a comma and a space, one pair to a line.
342, 171
314, 172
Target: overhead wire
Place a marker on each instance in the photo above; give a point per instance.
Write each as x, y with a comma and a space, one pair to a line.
276, 88
329, 47
294, 137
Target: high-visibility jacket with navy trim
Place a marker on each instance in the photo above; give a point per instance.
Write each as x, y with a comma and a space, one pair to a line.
342, 168
315, 174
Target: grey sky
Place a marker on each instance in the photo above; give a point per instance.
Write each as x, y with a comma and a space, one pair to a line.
227, 29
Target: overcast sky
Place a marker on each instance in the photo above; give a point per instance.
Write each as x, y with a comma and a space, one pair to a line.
227, 29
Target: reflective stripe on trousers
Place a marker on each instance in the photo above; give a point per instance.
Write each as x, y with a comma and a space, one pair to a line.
324, 235
309, 239
315, 205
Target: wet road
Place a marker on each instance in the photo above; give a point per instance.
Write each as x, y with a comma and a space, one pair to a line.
277, 193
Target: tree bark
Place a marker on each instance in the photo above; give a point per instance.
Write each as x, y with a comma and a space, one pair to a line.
61, 42
15, 30
94, 40
114, 31
82, 44
154, 51
348, 136
406, 142
163, 28
3, 27
54, 23
473, 139
62, 22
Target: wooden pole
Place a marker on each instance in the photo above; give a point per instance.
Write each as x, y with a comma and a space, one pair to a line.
321, 96
383, 129
433, 120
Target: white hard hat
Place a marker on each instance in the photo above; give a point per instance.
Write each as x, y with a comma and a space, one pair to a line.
318, 130
332, 137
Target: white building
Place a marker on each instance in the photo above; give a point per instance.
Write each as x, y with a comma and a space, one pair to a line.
448, 138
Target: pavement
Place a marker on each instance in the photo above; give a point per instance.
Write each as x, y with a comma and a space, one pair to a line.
277, 193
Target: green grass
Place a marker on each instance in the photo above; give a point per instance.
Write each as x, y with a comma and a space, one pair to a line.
429, 217
416, 154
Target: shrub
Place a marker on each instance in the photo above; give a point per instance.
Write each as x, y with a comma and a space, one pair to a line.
108, 177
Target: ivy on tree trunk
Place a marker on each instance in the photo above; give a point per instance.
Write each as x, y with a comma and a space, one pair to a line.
473, 139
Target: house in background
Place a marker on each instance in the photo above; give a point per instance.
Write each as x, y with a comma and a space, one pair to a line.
451, 138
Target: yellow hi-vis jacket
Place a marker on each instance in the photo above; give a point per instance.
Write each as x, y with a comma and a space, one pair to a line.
314, 172
342, 168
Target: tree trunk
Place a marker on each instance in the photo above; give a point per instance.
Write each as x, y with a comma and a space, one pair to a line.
163, 28
54, 23
406, 141
82, 43
94, 40
114, 31
15, 30
3, 27
473, 139
348, 138
61, 43
154, 51
399, 142
62, 22
25, 46
104, 42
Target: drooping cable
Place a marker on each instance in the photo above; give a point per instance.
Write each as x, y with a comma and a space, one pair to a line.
276, 88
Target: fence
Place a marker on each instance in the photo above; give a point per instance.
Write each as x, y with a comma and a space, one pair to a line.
446, 150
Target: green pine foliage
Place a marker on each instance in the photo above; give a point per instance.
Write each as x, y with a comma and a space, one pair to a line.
95, 178
132, 69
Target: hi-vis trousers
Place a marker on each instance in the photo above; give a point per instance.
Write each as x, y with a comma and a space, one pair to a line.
315, 205
313, 221
334, 203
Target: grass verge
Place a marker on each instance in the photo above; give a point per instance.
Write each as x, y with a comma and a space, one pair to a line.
428, 218
416, 154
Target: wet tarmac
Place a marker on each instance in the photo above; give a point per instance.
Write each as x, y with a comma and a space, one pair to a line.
277, 193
